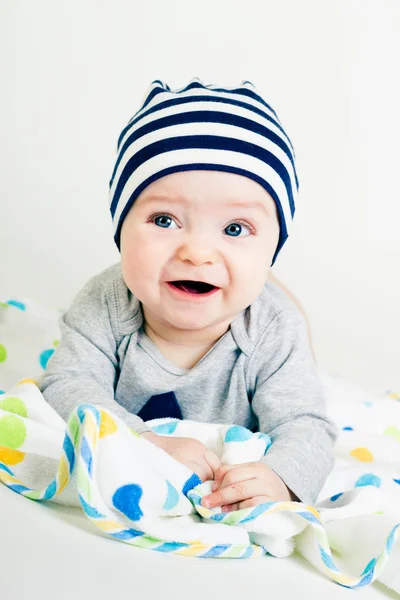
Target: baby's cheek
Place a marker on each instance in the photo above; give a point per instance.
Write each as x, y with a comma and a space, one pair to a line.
254, 275
134, 271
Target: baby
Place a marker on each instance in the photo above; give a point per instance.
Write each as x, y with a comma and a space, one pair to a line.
187, 325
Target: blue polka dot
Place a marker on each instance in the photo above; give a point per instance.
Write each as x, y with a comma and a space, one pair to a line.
2, 392
191, 483
368, 403
237, 433
17, 304
397, 481
126, 499
44, 357
368, 479
172, 498
347, 429
336, 496
165, 428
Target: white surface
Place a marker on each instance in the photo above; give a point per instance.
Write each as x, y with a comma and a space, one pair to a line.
74, 73
49, 552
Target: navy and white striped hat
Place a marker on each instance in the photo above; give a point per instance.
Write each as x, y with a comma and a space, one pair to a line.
204, 127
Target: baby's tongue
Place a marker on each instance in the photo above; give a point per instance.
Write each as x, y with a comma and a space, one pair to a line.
193, 287
187, 288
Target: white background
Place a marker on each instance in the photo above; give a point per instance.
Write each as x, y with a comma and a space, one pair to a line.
72, 75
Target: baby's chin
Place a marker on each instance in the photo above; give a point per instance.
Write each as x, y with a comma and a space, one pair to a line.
197, 325
191, 325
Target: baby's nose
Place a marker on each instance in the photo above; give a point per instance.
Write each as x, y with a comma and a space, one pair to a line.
198, 250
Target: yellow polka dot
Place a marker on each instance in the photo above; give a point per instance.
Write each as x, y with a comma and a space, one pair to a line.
362, 454
11, 457
394, 396
28, 380
107, 424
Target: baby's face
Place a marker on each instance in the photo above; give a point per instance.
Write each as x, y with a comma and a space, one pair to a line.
196, 247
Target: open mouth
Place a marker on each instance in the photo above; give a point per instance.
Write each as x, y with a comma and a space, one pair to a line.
193, 287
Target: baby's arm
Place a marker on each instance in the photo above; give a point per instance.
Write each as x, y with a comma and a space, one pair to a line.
299, 306
290, 406
84, 367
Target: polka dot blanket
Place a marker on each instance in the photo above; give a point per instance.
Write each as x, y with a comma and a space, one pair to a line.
138, 494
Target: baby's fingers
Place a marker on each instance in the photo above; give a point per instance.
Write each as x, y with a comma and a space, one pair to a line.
237, 492
246, 503
219, 475
236, 475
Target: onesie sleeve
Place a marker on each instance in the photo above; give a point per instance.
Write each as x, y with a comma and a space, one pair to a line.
84, 367
290, 406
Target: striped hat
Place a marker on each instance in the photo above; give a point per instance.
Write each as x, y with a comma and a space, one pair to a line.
204, 127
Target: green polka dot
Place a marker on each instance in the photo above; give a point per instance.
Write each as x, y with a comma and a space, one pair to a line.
3, 305
3, 353
12, 432
392, 431
14, 405
56, 342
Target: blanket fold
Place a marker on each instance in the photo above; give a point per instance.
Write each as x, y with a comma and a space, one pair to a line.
138, 494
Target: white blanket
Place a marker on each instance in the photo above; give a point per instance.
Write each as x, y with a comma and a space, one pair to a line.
138, 494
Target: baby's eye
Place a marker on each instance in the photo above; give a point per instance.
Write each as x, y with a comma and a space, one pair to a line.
164, 221
237, 229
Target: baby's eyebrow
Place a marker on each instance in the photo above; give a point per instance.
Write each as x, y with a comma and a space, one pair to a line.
163, 198
237, 204
244, 205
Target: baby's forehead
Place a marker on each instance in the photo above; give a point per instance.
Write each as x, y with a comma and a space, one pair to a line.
203, 187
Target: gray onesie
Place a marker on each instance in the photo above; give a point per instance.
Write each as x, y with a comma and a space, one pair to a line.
260, 374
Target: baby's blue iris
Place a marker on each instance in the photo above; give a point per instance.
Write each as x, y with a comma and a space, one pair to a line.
163, 221
234, 229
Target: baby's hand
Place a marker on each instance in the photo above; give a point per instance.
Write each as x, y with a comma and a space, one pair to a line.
246, 485
192, 453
